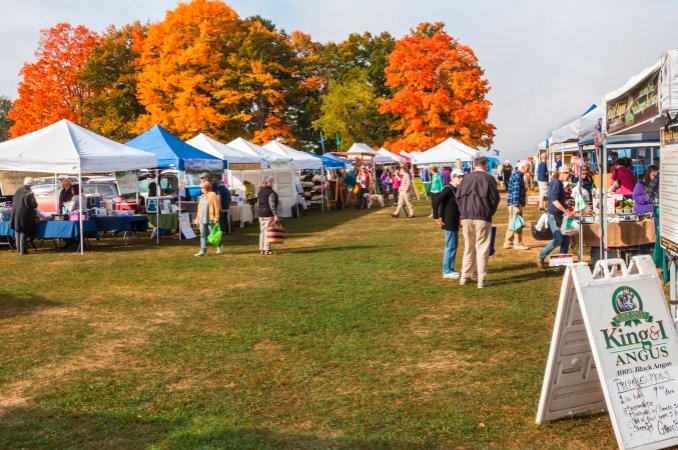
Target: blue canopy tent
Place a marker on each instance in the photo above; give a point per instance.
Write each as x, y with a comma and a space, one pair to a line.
176, 154
333, 162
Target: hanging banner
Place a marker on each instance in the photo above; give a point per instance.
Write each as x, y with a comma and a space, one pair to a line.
668, 189
636, 106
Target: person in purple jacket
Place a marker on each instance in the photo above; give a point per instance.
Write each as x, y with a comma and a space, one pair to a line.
640, 198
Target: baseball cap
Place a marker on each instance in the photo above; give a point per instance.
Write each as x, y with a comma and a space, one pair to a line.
564, 169
458, 173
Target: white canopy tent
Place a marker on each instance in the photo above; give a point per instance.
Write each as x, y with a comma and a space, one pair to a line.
300, 160
65, 147
361, 148
280, 168
69, 148
220, 150
447, 152
393, 156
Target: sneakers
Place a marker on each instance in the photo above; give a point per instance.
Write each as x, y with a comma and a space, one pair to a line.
507, 246
484, 284
410, 217
220, 250
200, 253
452, 275
521, 247
540, 262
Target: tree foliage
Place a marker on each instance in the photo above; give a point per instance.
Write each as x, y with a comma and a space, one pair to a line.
350, 109
109, 74
184, 82
50, 90
438, 90
5, 121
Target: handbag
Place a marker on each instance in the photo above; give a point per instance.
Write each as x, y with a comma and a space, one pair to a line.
516, 223
275, 233
544, 234
214, 237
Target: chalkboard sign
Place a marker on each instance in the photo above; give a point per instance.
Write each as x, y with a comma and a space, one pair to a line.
633, 340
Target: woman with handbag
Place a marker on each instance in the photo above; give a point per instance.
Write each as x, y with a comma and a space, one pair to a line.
207, 216
267, 211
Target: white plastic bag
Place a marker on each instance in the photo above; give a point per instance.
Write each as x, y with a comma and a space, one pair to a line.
580, 203
570, 226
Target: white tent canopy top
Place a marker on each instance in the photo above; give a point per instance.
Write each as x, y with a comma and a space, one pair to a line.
359, 147
220, 150
447, 152
65, 147
394, 156
580, 129
300, 160
248, 147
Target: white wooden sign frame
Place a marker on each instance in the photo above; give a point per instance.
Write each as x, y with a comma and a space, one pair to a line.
632, 338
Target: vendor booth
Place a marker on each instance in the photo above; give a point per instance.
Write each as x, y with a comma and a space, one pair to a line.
65, 147
448, 152
278, 166
173, 153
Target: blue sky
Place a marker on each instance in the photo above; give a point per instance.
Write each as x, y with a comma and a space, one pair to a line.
546, 61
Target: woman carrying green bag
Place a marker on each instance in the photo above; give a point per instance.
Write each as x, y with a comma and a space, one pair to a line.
208, 218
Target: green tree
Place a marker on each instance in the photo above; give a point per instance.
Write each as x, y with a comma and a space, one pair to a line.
350, 108
5, 121
110, 74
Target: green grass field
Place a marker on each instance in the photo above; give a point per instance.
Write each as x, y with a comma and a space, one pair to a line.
348, 337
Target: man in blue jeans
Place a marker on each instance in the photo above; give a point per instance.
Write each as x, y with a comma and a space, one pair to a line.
446, 213
556, 212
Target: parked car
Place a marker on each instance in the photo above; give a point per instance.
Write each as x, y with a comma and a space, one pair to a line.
47, 195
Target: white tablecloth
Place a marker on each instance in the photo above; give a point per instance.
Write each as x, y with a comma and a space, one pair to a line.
243, 214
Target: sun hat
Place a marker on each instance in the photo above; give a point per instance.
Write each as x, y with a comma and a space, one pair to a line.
564, 169
458, 173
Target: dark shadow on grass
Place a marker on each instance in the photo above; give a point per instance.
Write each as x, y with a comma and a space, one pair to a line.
18, 306
321, 249
23, 427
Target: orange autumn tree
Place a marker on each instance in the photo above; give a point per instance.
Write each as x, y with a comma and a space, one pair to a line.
183, 79
438, 91
50, 90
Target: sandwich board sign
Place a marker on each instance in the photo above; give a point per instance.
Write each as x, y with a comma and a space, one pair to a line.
627, 359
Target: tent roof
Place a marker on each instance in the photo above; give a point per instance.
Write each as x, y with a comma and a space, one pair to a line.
220, 150
249, 148
394, 156
173, 152
331, 161
582, 128
447, 152
359, 147
300, 160
69, 148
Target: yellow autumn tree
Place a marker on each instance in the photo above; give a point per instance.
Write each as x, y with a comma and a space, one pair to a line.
184, 82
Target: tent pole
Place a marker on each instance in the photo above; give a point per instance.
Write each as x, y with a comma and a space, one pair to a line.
157, 207
603, 189
56, 195
82, 238
182, 176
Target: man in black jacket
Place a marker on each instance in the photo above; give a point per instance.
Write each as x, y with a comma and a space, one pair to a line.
478, 198
446, 213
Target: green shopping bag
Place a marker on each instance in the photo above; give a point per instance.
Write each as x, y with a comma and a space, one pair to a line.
516, 223
214, 237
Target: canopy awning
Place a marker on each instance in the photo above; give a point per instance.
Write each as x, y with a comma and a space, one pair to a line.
220, 150
69, 148
174, 153
447, 152
300, 160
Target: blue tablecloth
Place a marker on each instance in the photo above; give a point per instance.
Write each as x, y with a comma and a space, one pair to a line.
55, 229
122, 223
